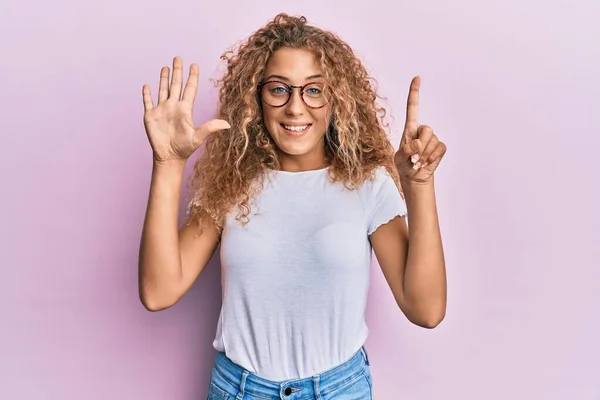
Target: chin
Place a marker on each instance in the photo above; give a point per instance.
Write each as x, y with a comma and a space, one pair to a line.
295, 149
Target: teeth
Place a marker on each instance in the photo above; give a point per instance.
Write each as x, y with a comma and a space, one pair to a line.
296, 128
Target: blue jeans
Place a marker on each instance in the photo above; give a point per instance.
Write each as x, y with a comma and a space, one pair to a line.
348, 381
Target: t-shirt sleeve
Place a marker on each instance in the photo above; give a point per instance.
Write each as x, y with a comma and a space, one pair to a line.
387, 202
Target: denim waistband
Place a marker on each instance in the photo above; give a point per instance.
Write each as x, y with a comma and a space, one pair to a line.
239, 380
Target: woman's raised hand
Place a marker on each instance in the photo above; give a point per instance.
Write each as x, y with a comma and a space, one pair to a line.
169, 125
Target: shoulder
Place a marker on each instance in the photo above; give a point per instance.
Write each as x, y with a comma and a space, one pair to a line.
381, 174
379, 179
384, 198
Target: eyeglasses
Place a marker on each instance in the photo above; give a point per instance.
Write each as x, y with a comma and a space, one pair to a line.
278, 94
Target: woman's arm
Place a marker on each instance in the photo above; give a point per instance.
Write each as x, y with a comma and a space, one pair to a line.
412, 258
170, 260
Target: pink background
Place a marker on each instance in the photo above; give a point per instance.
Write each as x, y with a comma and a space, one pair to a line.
511, 86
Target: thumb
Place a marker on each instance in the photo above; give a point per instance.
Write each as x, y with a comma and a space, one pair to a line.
203, 131
403, 156
415, 145
411, 147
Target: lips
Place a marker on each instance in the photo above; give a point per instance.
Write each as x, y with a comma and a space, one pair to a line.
296, 129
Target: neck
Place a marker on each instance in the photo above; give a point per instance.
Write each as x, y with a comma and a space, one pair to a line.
305, 162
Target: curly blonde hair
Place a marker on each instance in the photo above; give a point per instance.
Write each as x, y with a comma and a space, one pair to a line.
356, 142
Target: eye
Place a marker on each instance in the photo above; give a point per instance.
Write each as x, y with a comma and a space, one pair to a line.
314, 90
279, 89
276, 88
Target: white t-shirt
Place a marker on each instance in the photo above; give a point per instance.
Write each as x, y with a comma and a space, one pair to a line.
295, 278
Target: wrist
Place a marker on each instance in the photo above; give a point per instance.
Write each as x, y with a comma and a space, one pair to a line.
409, 183
168, 171
169, 164
416, 190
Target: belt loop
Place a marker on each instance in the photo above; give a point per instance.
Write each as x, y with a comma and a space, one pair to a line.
316, 380
365, 355
240, 395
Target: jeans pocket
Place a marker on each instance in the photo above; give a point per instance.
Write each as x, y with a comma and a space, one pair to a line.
216, 393
367, 374
357, 387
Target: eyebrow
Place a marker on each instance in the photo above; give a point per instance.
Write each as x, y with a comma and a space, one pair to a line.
287, 79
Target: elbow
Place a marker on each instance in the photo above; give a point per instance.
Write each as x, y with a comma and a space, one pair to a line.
154, 302
429, 322
153, 306
157, 294
428, 318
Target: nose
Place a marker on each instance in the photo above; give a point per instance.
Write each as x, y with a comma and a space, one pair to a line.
295, 105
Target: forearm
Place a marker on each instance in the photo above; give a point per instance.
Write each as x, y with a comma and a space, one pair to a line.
425, 272
160, 259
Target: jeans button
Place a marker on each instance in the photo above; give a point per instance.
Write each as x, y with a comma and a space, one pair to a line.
288, 391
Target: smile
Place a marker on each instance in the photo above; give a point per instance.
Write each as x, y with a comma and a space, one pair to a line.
296, 128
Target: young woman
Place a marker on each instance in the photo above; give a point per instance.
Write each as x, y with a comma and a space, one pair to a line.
298, 183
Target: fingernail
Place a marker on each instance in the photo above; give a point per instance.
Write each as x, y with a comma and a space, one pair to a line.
414, 158
417, 165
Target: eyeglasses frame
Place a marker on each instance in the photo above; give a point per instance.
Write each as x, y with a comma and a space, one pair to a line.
292, 87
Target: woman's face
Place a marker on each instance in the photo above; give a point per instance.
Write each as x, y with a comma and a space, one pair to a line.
297, 129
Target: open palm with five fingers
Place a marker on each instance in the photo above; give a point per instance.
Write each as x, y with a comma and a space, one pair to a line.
420, 149
169, 125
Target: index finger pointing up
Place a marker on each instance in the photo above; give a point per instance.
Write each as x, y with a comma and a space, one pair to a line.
412, 109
